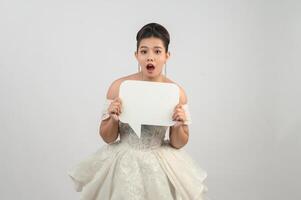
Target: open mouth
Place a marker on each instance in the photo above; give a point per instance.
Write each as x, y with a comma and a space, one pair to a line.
150, 67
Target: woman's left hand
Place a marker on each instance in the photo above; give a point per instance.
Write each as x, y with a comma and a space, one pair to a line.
179, 115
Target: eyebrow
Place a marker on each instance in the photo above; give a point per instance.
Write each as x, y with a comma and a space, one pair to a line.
158, 47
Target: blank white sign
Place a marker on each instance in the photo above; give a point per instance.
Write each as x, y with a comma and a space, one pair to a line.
147, 102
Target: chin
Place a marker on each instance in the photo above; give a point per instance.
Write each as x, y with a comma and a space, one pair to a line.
152, 75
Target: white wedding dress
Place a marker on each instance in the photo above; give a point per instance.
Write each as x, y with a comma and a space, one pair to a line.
145, 168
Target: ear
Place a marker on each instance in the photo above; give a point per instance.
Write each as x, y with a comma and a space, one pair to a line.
167, 55
136, 55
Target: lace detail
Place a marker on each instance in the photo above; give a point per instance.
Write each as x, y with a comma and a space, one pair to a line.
152, 136
141, 176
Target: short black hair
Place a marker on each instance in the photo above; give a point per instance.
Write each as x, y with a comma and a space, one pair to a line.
153, 30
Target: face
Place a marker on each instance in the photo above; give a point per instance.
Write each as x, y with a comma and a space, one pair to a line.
151, 56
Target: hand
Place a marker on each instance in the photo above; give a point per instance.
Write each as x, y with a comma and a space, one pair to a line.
179, 115
114, 109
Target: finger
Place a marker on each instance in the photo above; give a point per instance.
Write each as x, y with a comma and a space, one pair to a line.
115, 117
113, 111
113, 107
174, 115
179, 105
180, 117
120, 106
118, 99
182, 113
116, 104
178, 112
118, 109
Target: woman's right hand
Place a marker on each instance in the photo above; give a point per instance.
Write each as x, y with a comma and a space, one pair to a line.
114, 109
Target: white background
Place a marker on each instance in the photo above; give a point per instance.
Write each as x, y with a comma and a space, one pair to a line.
239, 62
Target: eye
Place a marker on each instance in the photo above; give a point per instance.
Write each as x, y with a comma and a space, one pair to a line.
158, 51
142, 51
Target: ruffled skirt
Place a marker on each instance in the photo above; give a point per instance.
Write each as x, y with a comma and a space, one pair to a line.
118, 171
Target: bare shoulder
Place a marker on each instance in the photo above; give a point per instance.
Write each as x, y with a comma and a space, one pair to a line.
183, 96
113, 91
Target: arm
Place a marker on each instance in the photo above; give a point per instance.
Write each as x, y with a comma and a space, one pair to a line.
109, 128
179, 136
179, 133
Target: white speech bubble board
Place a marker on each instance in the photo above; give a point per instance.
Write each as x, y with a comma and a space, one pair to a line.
148, 103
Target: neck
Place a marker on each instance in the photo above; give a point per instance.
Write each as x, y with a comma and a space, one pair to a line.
159, 78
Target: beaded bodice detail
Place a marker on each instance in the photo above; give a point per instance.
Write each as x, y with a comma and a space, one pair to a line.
151, 136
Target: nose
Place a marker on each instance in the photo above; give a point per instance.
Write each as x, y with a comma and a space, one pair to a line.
150, 57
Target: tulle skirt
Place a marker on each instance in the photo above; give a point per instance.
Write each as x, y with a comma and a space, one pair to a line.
118, 171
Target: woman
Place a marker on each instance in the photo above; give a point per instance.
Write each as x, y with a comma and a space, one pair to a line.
148, 167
